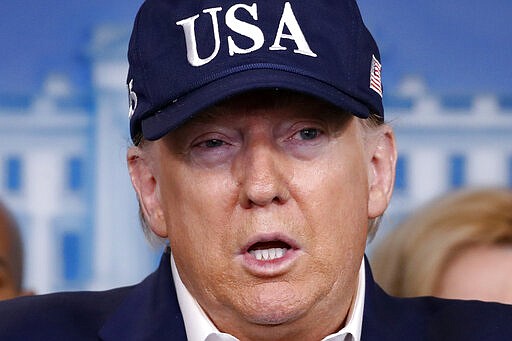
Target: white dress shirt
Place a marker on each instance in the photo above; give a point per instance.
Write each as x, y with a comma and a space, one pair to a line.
199, 327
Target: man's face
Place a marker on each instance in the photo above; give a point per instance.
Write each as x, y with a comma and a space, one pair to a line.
266, 209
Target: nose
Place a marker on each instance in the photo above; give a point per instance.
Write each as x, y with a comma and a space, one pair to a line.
263, 177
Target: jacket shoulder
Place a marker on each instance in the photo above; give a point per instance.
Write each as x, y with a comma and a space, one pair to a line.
59, 316
428, 318
469, 320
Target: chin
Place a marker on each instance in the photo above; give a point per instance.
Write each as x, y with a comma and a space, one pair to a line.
275, 307
270, 317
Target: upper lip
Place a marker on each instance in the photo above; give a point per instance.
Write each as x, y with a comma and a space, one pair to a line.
270, 237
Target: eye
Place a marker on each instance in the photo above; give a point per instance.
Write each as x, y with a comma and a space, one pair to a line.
212, 149
210, 142
213, 143
308, 133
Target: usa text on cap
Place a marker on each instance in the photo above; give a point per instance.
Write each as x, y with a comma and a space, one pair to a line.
186, 55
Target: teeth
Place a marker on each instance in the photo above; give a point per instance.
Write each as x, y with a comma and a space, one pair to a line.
268, 254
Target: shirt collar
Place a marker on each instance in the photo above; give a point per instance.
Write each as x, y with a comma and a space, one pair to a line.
199, 327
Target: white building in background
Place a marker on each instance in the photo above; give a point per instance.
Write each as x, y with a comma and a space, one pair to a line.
446, 143
63, 171
45, 162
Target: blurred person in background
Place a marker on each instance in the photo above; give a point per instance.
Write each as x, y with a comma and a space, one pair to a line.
11, 257
457, 246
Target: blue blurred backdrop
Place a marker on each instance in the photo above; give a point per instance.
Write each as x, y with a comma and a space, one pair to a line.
63, 120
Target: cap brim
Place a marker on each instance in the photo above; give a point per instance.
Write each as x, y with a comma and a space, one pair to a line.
178, 111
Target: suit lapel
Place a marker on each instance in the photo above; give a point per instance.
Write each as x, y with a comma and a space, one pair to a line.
149, 312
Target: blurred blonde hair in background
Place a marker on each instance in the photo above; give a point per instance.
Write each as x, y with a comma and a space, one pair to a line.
413, 258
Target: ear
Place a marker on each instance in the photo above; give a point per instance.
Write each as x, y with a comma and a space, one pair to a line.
142, 173
381, 170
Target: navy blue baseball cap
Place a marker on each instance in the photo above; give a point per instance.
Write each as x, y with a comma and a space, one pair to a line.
185, 56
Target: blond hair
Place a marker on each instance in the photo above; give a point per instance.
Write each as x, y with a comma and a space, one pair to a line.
410, 261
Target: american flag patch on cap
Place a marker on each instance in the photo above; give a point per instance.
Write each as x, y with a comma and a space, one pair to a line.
375, 76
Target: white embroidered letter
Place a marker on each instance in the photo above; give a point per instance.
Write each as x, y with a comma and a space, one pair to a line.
190, 37
251, 31
132, 97
288, 19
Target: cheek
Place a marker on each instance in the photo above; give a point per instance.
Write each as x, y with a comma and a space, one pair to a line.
192, 205
196, 218
336, 205
197, 210
337, 186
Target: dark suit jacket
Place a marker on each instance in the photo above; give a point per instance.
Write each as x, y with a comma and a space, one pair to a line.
150, 311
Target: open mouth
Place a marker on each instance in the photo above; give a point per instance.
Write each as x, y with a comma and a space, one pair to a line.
271, 250
269, 255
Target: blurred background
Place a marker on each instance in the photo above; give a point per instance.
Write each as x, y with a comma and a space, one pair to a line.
64, 124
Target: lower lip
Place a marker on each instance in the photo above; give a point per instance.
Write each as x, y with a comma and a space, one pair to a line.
269, 268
